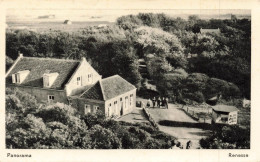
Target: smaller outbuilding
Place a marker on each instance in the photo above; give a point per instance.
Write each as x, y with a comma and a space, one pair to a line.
224, 114
68, 22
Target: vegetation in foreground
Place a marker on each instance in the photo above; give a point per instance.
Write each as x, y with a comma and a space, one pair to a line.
30, 125
227, 137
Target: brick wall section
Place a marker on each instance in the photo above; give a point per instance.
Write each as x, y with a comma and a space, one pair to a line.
41, 94
79, 104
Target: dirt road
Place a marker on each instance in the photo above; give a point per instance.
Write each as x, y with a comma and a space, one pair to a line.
184, 134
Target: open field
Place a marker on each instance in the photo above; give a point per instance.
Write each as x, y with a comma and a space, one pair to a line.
40, 26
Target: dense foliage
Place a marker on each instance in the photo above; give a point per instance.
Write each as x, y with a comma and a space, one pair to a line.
227, 137
33, 125
225, 57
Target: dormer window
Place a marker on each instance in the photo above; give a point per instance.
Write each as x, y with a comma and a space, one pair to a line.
49, 78
20, 76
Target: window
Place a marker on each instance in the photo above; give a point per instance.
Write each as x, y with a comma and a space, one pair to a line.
50, 98
96, 108
87, 109
131, 99
121, 99
109, 110
20, 76
126, 102
90, 78
78, 80
15, 78
115, 104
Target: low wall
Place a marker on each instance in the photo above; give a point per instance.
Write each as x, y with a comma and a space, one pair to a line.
149, 117
205, 126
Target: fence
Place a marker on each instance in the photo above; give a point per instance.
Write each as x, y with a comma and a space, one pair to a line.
202, 115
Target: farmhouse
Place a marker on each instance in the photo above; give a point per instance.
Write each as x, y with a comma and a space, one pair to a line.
224, 114
204, 31
72, 82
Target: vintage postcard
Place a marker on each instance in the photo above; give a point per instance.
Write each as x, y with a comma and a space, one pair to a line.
146, 80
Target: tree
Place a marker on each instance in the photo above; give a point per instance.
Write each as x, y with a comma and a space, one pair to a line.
30, 131
228, 137
103, 138
157, 67
153, 40
171, 84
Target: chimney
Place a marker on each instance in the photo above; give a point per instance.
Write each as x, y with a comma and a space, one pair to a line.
20, 54
83, 59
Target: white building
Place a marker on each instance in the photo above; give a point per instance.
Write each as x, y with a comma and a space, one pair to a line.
224, 114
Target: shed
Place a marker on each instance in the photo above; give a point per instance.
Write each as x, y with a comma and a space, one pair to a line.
68, 22
224, 114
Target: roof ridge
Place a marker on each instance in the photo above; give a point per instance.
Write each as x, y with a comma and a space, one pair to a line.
102, 90
111, 77
49, 58
116, 75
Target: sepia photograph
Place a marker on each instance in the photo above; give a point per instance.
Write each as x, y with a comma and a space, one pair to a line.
127, 79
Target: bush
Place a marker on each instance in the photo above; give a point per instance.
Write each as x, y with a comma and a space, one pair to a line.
228, 137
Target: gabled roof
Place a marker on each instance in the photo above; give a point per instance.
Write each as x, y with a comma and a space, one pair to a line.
39, 66
114, 86
224, 108
108, 88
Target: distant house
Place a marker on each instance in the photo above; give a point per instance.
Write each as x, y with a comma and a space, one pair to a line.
68, 22
233, 17
246, 103
46, 17
72, 82
192, 55
204, 31
102, 25
224, 114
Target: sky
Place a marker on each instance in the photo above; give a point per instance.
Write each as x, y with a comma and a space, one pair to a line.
106, 14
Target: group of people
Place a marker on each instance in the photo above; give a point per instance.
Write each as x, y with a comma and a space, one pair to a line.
178, 145
158, 102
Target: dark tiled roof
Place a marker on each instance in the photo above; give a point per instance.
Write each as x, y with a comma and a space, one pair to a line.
114, 86
94, 92
39, 66
108, 88
224, 108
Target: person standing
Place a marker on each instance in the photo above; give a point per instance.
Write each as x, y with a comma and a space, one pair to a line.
148, 103
154, 100
166, 102
159, 102
163, 102
188, 144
